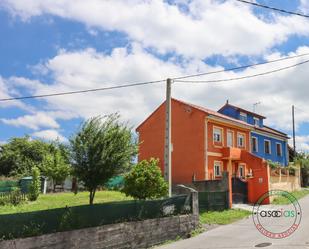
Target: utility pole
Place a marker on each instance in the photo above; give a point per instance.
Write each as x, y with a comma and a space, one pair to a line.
293, 120
168, 133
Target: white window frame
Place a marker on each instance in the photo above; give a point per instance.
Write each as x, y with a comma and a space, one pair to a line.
256, 121
256, 144
281, 152
217, 164
244, 140
232, 132
244, 115
215, 128
243, 166
267, 140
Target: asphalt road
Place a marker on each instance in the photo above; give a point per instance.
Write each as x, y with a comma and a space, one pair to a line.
243, 234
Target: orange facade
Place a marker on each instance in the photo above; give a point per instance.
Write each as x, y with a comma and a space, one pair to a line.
203, 146
188, 140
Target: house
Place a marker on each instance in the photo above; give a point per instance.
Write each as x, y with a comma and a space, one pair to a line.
266, 142
204, 144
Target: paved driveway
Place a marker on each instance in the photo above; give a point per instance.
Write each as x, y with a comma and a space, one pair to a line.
243, 234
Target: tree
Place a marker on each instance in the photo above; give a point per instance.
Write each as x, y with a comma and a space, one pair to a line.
19, 155
35, 185
55, 166
145, 181
101, 149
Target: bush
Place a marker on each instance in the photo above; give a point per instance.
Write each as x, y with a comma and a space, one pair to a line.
35, 186
145, 181
14, 197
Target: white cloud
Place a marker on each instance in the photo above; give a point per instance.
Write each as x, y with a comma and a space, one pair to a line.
40, 119
302, 143
6, 92
90, 69
304, 7
50, 135
206, 28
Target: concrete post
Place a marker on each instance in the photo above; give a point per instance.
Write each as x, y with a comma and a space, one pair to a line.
195, 208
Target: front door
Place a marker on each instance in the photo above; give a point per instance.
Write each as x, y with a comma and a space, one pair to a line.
229, 139
239, 190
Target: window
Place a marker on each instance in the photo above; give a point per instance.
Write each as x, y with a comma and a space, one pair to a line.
229, 141
241, 171
267, 147
254, 144
217, 168
243, 116
217, 135
279, 149
256, 121
240, 140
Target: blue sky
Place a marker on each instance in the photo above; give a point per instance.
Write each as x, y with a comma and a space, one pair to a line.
53, 46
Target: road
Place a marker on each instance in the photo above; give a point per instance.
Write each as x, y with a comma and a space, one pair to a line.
243, 234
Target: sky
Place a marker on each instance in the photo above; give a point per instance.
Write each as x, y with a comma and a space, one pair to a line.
50, 46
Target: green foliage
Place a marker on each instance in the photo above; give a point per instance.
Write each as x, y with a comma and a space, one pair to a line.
222, 217
145, 181
15, 197
302, 159
55, 166
273, 165
31, 229
69, 220
282, 200
21, 154
35, 185
101, 149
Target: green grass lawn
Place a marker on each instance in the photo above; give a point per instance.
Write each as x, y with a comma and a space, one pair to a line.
297, 194
222, 217
60, 200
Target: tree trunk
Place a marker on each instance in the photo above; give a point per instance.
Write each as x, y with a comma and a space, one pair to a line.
91, 196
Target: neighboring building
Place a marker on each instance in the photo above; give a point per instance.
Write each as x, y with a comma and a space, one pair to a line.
204, 144
266, 142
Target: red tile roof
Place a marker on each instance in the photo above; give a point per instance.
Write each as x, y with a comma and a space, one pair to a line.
220, 115
214, 113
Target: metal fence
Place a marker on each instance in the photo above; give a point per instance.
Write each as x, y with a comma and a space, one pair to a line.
213, 200
13, 197
65, 219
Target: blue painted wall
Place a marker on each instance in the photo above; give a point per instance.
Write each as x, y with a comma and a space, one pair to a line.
234, 113
230, 111
273, 156
283, 160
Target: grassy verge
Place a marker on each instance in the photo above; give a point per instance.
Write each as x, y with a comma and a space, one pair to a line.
297, 194
60, 200
223, 217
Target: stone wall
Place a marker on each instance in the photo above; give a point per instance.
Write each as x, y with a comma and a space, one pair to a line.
138, 234
141, 234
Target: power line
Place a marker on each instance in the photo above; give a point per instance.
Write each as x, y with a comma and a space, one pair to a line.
244, 77
82, 91
150, 82
241, 67
273, 8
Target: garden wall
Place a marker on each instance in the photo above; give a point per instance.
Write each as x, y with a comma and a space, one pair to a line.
139, 234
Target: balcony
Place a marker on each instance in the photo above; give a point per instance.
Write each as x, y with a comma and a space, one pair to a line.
230, 153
